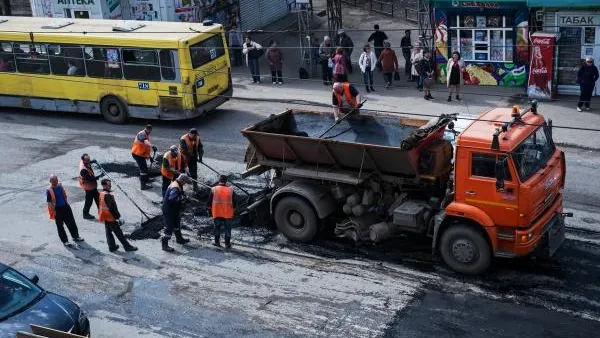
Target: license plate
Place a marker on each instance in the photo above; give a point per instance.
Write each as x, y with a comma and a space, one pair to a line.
556, 235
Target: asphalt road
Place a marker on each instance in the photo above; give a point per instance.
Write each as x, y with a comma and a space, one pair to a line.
267, 287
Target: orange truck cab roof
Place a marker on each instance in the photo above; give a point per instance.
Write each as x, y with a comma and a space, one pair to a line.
479, 133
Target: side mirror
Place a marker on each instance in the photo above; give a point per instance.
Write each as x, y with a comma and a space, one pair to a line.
34, 279
500, 171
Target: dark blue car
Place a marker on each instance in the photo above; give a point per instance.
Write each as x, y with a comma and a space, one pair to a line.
22, 302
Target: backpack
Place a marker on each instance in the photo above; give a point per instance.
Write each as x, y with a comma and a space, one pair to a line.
302, 73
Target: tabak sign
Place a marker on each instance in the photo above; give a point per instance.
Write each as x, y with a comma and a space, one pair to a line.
578, 20
541, 67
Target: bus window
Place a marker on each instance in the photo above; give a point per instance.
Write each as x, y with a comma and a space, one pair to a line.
66, 60
141, 64
7, 58
167, 64
103, 62
207, 50
32, 58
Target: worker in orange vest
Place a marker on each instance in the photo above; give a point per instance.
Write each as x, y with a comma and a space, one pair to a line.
60, 211
222, 210
109, 214
345, 98
172, 205
192, 150
88, 182
172, 166
140, 150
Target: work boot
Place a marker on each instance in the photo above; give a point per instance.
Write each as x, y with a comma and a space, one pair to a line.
179, 238
165, 244
144, 183
228, 242
86, 215
131, 248
217, 242
114, 248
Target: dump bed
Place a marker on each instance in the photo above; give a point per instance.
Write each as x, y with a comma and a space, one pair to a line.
368, 143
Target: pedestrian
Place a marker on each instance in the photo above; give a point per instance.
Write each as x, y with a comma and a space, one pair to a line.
275, 58
389, 64
454, 71
192, 151
326, 53
172, 205
406, 45
415, 57
426, 71
140, 150
172, 165
235, 44
222, 209
339, 65
378, 38
108, 212
366, 62
253, 52
60, 211
345, 99
344, 41
89, 183
586, 78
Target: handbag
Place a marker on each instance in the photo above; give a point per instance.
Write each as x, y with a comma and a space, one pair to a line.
396, 76
428, 82
330, 63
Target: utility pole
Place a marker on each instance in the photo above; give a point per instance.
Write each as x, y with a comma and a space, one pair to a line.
334, 17
425, 20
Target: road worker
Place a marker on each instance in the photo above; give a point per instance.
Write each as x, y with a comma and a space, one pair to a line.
88, 182
190, 147
171, 207
345, 98
172, 165
221, 208
60, 211
140, 150
109, 214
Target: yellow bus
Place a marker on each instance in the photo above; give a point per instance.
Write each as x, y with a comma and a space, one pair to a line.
120, 69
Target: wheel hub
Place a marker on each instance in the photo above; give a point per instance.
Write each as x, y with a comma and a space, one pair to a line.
113, 110
463, 251
296, 219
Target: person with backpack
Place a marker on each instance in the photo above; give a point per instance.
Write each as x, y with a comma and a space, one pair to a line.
253, 51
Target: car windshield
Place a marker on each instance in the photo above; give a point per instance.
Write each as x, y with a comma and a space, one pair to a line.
533, 154
16, 292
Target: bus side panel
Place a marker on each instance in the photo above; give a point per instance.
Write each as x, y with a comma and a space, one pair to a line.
142, 98
185, 67
15, 90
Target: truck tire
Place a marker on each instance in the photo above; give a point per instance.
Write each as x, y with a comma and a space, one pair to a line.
296, 219
113, 110
465, 250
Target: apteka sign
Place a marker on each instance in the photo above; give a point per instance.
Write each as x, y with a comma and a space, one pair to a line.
75, 2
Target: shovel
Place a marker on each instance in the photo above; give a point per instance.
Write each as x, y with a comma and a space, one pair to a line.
342, 119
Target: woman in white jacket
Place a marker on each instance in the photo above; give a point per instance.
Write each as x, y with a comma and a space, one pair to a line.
366, 62
253, 51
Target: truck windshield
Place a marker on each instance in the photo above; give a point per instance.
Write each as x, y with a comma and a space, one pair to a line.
533, 153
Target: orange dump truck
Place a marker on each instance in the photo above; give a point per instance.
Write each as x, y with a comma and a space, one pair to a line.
492, 190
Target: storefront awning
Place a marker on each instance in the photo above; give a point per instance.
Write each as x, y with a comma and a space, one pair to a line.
563, 3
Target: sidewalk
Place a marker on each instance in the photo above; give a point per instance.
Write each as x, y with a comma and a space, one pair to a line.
404, 98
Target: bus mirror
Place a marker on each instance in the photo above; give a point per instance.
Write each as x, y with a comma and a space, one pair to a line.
500, 171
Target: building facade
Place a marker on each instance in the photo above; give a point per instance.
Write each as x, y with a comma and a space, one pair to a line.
577, 25
249, 14
492, 38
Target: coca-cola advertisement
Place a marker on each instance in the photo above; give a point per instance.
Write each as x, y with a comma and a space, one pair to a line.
541, 67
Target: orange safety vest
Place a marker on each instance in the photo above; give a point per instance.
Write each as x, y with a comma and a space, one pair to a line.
86, 185
349, 98
51, 213
174, 164
139, 148
222, 202
192, 144
104, 214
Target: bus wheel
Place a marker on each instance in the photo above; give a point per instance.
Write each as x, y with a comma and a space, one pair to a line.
113, 110
296, 219
465, 250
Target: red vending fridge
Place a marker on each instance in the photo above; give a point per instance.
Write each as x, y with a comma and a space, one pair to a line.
542, 82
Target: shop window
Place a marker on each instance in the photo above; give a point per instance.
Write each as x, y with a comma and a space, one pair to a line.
167, 64
141, 64
31, 58
7, 58
66, 60
103, 62
569, 55
483, 38
207, 50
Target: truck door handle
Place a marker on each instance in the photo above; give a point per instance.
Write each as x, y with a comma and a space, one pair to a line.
470, 193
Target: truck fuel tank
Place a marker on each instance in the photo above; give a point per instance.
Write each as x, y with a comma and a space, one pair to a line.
412, 215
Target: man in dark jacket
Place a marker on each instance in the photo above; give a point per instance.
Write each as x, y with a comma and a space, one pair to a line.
406, 45
586, 77
88, 182
109, 214
344, 41
378, 38
172, 205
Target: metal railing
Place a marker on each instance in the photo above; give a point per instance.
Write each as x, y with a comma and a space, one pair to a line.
377, 6
411, 14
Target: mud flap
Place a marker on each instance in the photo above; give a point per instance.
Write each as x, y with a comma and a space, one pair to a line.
553, 237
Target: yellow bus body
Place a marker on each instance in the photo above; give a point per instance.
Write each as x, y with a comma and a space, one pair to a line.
150, 70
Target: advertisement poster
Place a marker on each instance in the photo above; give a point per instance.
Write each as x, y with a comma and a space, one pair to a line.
145, 10
219, 11
541, 68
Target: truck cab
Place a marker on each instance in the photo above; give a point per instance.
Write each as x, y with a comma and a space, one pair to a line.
507, 197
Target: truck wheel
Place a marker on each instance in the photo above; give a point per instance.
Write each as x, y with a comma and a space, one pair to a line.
113, 110
296, 219
465, 250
